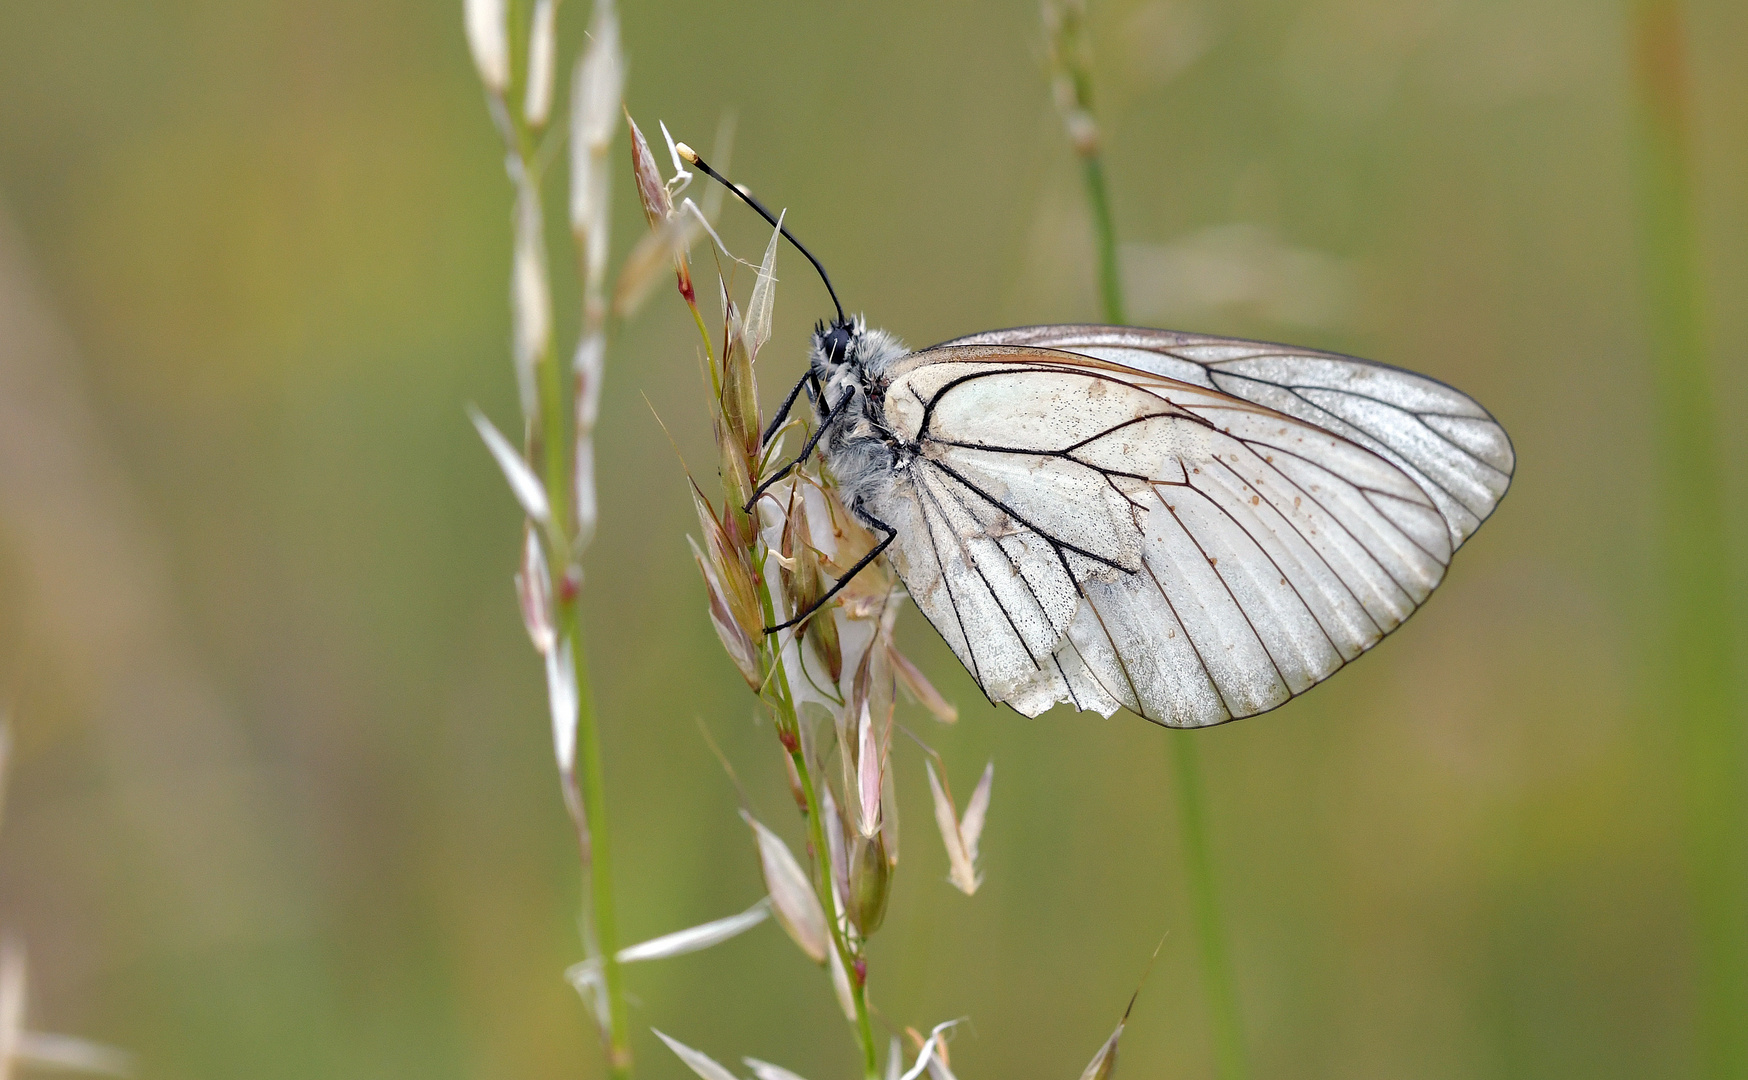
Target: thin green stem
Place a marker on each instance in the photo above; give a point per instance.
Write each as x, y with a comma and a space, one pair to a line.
1098, 200
789, 728
1699, 694
828, 898
1217, 982
553, 447
709, 350
1204, 901
597, 851
551, 450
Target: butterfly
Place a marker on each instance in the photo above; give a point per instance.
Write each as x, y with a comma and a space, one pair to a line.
1194, 528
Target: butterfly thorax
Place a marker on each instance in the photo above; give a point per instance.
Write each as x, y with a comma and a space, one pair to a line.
851, 361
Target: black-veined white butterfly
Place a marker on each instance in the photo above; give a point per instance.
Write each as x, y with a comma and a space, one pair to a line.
1194, 528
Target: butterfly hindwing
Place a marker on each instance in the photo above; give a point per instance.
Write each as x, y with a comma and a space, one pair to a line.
1087, 532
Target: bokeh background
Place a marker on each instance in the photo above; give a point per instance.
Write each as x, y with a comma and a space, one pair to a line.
282, 802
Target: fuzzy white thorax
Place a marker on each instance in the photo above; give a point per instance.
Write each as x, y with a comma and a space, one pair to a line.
860, 448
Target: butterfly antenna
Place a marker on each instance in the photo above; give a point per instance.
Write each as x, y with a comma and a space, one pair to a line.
690, 156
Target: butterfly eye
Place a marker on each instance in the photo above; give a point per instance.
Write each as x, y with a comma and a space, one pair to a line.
837, 343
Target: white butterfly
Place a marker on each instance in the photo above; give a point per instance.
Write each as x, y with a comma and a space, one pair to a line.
1194, 528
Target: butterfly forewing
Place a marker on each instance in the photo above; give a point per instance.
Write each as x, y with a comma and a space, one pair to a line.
1449, 445
1105, 535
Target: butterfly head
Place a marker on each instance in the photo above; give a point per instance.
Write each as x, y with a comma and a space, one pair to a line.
851, 359
835, 345
851, 344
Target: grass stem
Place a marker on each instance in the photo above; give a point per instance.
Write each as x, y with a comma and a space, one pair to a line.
789, 725
1698, 692
1217, 982
587, 801
1199, 877
834, 917
1098, 201
585, 795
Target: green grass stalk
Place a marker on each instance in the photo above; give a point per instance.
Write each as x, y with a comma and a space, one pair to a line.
589, 810
1222, 995
1698, 692
1217, 983
834, 917
1098, 201
585, 796
789, 730
550, 450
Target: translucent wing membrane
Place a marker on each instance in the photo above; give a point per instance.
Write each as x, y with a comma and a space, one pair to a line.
1083, 530
1447, 443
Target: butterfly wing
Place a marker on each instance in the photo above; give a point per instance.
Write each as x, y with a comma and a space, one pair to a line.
1088, 532
1451, 446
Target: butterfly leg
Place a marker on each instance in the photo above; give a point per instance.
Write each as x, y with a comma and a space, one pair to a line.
811, 382
812, 441
861, 564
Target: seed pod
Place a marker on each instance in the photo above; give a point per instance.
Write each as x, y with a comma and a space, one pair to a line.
727, 558
870, 883
488, 38
734, 638
740, 398
736, 484
658, 204
822, 631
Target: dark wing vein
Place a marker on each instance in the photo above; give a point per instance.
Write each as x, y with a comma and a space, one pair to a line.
1284, 576
947, 580
1116, 653
1202, 661
1364, 489
1233, 596
1011, 512
1314, 548
1375, 437
996, 597
1383, 564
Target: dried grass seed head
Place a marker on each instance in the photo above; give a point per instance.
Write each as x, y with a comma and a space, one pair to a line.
870, 883
488, 39
530, 292
961, 835
862, 615
542, 54
534, 592
657, 201
764, 1070
730, 561
739, 403
561, 694
699, 1062
757, 328
527, 488
792, 897
735, 640
597, 87
804, 583
841, 987
920, 688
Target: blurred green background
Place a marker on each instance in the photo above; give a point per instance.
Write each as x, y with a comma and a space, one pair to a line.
283, 801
